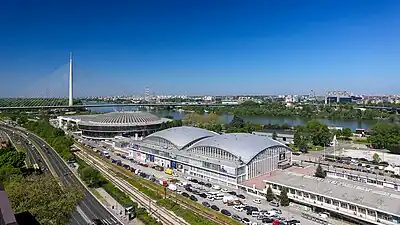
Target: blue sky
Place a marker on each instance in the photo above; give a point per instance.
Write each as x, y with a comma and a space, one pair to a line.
199, 47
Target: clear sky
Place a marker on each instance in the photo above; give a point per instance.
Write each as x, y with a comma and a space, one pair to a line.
199, 47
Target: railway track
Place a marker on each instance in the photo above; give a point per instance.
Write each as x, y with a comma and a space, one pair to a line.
198, 210
165, 216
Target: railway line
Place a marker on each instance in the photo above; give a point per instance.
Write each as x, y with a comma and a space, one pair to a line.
165, 216
118, 171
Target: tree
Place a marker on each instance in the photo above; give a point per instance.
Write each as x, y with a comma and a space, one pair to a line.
320, 173
284, 198
43, 198
376, 158
274, 135
237, 122
301, 140
346, 132
319, 132
386, 136
92, 177
270, 194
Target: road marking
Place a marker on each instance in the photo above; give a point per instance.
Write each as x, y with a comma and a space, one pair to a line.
84, 216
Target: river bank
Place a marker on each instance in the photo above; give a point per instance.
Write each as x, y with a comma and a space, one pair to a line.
226, 118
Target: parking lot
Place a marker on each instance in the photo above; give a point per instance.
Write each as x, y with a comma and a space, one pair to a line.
288, 213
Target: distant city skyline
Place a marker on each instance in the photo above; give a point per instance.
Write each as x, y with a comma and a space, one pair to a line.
199, 47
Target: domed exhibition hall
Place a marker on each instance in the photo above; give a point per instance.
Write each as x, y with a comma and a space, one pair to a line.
108, 125
228, 159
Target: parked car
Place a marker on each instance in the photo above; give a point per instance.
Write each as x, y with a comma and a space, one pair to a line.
185, 194
241, 196
201, 183
206, 204
216, 187
278, 211
226, 212
246, 221
208, 185
203, 195
194, 181
236, 217
214, 207
267, 220
193, 198
224, 190
257, 201
275, 204
232, 193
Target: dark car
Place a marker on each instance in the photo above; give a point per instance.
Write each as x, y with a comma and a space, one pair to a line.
245, 220
201, 183
236, 217
185, 194
214, 207
194, 181
232, 193
188, 189
267, 220
226, 212
203, 195
206, 204
208, 185
241, 196
196, 192
193, 198
292, 222
97, 222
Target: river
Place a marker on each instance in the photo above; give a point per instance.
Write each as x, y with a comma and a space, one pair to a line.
291, 121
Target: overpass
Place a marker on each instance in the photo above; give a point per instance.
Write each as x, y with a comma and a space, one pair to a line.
115, 105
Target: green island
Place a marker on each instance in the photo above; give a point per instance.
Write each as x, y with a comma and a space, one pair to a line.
277, 109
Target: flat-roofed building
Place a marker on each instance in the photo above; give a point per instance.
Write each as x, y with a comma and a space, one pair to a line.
352, 200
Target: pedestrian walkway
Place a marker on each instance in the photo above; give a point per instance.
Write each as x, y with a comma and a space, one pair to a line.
115, 207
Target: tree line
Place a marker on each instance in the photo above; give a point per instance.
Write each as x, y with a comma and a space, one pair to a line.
36, 193
278, 109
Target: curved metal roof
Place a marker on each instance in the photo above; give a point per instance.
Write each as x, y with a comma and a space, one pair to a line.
122, 118
242, 145
181, 136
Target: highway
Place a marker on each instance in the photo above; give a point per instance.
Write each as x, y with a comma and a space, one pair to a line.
88, 208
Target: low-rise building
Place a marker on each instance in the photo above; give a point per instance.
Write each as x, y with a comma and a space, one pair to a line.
351, 200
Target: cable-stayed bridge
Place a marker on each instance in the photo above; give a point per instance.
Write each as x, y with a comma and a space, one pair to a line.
61, 83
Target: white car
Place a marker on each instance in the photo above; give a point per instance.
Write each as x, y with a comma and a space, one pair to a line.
238, 208
216, 187
179, 192
179, 184
224, 190
257, 201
